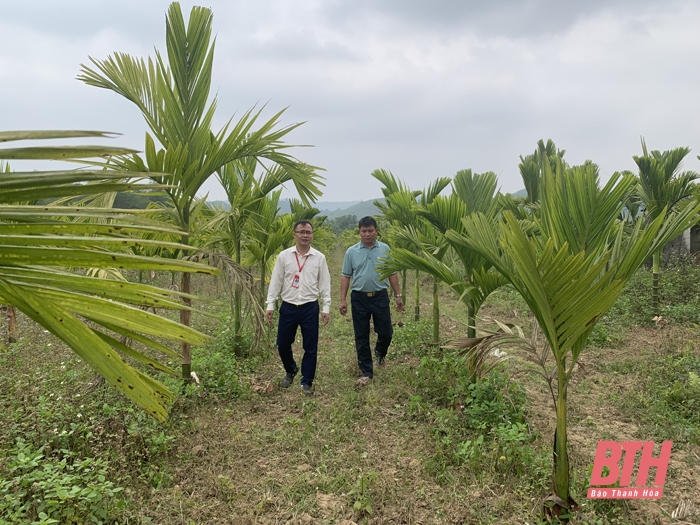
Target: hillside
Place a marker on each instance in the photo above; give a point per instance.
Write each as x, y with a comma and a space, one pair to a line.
520, 193
335, 209
359, 210
332, 209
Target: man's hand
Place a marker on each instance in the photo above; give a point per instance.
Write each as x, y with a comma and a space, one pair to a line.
343, 307
399, 304
325, 318
268, 316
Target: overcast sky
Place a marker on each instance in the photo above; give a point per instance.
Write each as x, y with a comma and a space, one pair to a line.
421, 88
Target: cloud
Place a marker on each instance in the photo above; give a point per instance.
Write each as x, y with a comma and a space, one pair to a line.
423, 89
514, 18
299, 46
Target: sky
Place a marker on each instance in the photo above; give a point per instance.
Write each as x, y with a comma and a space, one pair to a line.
420, 88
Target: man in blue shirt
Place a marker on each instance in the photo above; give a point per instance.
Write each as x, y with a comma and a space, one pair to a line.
369, 297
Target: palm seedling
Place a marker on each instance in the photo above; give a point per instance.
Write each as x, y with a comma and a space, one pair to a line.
570, 268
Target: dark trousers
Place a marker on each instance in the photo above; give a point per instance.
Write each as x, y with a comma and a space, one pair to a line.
363, 309
306, 317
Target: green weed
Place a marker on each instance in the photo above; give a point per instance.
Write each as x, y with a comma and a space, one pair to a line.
480, 424
360, 493
61, 488
680, 297
217, 367
669, 404
414, 337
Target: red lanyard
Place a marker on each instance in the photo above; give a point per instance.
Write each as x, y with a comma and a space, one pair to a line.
306, 257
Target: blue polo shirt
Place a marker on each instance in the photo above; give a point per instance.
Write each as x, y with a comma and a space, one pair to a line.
359, 264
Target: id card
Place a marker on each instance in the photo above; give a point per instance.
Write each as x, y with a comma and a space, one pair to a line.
295, 281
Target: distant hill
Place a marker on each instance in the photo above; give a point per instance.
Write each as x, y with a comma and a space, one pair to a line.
331, 209
329, 206
359, 210
335, 209
284, 205
220, 204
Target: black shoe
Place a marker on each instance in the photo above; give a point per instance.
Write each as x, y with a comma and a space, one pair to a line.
308, 391
380, 359
289, 379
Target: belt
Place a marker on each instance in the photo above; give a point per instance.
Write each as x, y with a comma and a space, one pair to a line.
370, 294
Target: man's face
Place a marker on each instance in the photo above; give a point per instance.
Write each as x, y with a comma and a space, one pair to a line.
303, 235
368, 234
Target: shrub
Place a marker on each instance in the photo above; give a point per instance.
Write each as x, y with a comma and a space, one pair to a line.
218, 371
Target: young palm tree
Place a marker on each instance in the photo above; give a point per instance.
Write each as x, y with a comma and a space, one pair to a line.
267, 233
173, 95
471, 277
397, 210
427, 241
570, 268
662, 186
39, 248
434, 238
247, 195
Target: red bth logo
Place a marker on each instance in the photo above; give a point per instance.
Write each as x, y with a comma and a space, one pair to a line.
626, 490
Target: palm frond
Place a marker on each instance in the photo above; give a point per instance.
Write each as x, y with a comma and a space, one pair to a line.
36, 242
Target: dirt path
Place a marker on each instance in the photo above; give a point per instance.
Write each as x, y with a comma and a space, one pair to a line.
279, 457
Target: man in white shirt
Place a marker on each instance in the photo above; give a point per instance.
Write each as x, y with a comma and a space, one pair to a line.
300, 276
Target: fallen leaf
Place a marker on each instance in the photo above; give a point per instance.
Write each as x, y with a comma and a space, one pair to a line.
685, 509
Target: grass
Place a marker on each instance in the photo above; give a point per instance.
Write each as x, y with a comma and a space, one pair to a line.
666, 403
421, 444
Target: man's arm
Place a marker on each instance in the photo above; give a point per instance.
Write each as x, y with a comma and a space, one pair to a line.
344, 286
273, 291
394, 282
345, 281
324, 288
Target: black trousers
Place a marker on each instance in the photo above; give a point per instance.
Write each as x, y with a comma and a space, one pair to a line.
377, 309
306, 317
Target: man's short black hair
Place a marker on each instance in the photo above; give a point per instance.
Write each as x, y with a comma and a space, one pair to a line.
366, 222
303, 221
